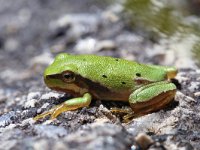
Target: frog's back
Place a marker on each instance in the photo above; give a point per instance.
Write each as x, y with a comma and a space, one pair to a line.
114, 73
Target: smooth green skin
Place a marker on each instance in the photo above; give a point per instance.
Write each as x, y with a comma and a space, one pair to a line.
134, 81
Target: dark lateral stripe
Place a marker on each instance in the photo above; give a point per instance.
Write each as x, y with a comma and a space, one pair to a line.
83, 83
54, 76
97, 90
89, 84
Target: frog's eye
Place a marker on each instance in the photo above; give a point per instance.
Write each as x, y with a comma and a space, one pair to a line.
68, 76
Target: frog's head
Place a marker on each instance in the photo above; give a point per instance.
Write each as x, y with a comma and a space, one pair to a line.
60, 75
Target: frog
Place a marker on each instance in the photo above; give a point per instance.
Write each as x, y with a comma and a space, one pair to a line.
145, 87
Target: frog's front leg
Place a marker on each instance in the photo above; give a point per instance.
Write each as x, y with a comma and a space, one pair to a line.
152, 97
68, 105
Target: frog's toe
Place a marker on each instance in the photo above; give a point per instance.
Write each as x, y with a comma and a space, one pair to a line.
54, 112
51, 112
68, 105
43, 115
58, 110
121, 110
129, 114
128, 117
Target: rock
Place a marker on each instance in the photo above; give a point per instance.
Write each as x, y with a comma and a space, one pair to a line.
41, 144
7, 118
33, 95
100, 136
50, 95
2, 98
74, 26
50, 131
86, 46
11, 45
44, 59
105, 45
91, 45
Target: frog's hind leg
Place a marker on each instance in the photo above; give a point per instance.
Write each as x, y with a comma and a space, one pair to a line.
152, 97
68, 105
155, 104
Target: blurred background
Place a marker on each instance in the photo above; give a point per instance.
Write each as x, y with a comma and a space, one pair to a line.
164, 32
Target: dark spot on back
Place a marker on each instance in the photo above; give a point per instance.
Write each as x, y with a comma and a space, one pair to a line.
138, 74
123, 82
116, 59
104, 76
84, 59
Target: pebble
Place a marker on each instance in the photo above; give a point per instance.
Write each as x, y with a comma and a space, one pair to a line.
91, 45
50, 95
105, 45
31, 103
44, 58
2, 98
143, 140
197, 94
5, 119
44, 106
86, 46
33, 95
194, 86
41, 144
11, 45
75, 26
32, 99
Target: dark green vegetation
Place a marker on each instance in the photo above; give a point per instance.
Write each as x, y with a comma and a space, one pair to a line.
162, 18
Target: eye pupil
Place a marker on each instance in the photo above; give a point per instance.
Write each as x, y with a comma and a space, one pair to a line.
68, 77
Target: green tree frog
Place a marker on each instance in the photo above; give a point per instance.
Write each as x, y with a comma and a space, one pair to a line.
147, 88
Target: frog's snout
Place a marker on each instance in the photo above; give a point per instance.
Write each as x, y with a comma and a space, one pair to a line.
45, 80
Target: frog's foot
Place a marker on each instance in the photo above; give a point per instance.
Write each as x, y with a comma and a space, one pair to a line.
152, 97
43, 115
129, 114
121, 110
68, 105
128, 117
